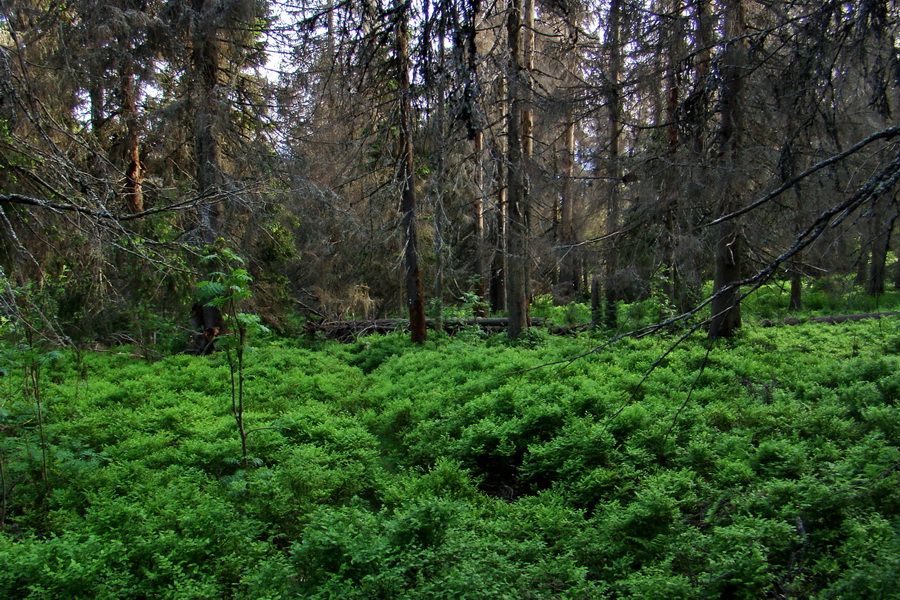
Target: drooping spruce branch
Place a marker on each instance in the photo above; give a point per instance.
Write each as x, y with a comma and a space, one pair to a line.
103, 214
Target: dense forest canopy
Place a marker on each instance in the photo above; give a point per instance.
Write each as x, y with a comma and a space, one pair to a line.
376, 158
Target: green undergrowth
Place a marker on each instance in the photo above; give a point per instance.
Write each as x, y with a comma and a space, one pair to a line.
825, 296
767, 466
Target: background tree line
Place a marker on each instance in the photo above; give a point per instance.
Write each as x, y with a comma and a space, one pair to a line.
373, 158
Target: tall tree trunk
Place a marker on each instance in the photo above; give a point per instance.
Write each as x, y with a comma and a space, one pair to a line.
566, 240
673, 51
696, 117
438, 185
567, 275
207, 64
414, 294
476, 126
528, 148
726, 309
516, 289
134, 173
610, 316
480, 271
500, 262
528, 91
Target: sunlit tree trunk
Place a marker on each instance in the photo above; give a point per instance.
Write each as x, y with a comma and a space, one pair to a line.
479, 267
500, 263
566, 238
134, 172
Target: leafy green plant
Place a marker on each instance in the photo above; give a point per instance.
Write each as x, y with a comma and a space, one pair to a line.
226, 290
27, 353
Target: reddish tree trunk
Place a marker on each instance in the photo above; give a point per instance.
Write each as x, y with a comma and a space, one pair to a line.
134, 173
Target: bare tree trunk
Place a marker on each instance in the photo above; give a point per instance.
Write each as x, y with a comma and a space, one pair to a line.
516, 290
673, 51
500, 263
610, 316
881, 241
438, 301
438, 191
596, 302
528, 149
481, 275
696, 117
414, 294
796, 297
566, 285
134, 172
726, 309
207, 63
567, 215
527, 107
479, 267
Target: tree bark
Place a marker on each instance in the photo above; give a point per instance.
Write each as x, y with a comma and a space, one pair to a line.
596, 302
516, 292
414, 294
881, 241
481, 275
673, 52
796, 297
528, 148
477, 130
567, 261
207, 64
500, 262
610, 315
725, 307
134, 172
567, 277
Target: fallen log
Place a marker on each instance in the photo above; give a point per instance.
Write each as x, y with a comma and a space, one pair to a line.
832, 319
348, 330
859, 317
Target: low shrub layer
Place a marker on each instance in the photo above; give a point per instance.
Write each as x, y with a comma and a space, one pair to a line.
765, 466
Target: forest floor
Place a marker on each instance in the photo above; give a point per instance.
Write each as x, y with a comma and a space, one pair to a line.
764, 466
